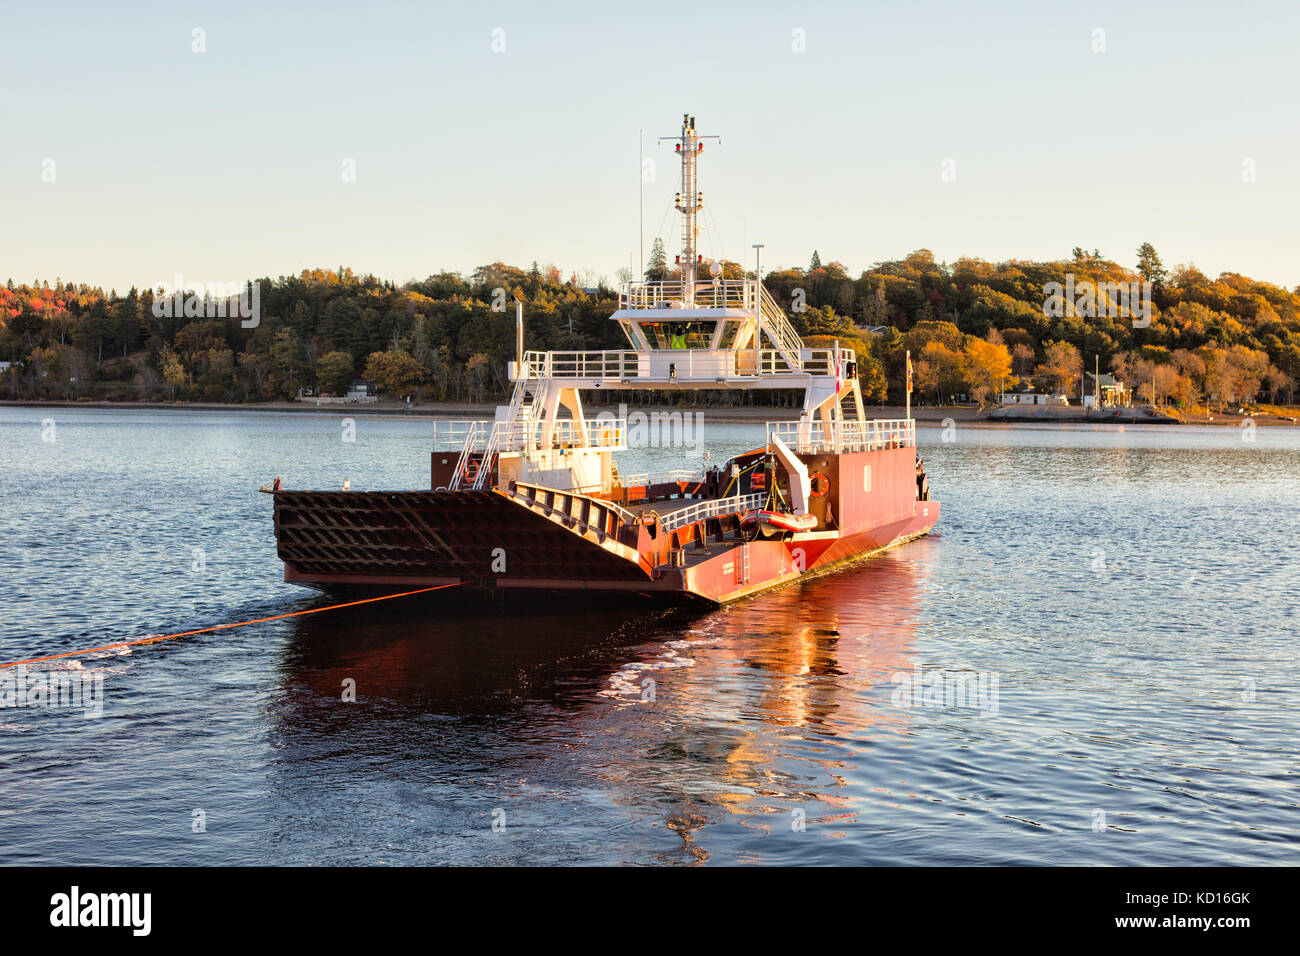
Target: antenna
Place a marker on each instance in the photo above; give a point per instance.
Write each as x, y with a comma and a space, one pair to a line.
640, 175
689, 201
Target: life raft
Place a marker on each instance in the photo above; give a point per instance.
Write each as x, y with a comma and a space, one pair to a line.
778, 520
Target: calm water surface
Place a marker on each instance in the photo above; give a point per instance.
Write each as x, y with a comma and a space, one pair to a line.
1132, 592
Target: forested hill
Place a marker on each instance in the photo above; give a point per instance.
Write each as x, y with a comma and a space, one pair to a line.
972, 327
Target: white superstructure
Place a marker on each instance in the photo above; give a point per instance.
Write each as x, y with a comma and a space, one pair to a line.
684, 333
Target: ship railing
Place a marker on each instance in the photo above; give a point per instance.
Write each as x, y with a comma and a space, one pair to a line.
708, 365
588, 511
617, 364
672, 476
526, 434
469, 436
809, 436
748, 295
709, 294
712, 508
815, 361
481, 441
531, 435
455, 435
778, 326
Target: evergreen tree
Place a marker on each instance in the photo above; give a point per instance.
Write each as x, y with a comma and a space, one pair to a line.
656, 268
1150, 267
816, 262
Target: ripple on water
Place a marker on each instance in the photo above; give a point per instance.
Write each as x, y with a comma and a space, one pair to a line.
1139, 625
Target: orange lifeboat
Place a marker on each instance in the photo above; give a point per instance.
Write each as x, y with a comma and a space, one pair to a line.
779, 521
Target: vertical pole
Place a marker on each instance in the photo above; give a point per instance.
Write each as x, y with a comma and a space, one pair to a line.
758, 307
688, 211
640, 175
519, 336
908, 373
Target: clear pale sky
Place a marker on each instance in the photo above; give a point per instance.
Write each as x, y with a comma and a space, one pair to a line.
228, 164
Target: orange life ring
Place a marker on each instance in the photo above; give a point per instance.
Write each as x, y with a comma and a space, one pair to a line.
820, 485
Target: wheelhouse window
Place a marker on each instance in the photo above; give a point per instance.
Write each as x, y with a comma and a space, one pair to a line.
729, 331
683, 334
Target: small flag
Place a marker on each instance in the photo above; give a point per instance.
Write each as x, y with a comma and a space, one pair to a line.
839, 372
909, 371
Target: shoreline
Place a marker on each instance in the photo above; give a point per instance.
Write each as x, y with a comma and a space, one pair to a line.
925, 415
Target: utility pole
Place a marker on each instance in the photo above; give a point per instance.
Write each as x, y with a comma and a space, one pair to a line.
519, 336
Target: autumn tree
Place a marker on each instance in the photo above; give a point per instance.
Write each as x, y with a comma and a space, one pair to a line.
1234, 375
174, 373
1021, 356
395, 372
1061, 367
940, 368
987, 366
933, 330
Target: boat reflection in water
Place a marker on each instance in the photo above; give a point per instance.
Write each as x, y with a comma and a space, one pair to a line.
669, 737
783, 695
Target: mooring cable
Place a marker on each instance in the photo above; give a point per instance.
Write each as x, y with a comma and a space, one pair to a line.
153, 638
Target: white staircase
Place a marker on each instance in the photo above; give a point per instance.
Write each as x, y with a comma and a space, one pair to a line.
516, 421
778, 328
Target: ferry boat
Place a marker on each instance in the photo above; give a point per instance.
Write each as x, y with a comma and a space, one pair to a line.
533, 500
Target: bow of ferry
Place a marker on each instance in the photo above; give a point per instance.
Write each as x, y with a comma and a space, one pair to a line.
533, 500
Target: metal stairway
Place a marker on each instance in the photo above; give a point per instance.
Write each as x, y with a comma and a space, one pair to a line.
778, 328
518, 417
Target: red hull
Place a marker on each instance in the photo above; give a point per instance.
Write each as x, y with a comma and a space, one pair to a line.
546, 540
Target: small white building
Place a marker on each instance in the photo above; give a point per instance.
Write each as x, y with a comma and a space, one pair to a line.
1032, 398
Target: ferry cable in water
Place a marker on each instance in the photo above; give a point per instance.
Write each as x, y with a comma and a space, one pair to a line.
153, 638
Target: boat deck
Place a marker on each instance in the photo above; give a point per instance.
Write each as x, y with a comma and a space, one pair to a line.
696, 555
663, 507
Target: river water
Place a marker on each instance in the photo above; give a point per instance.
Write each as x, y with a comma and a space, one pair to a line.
1102, 635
